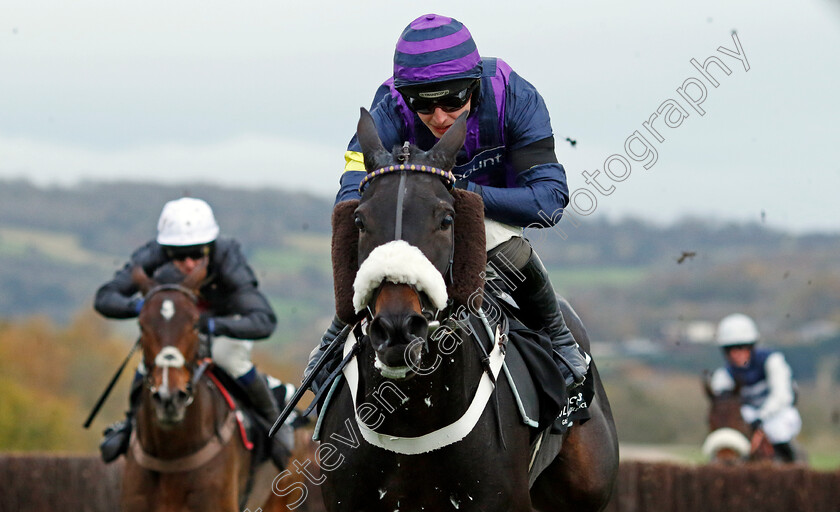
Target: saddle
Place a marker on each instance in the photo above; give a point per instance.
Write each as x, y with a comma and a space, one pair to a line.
253, 428
541, 396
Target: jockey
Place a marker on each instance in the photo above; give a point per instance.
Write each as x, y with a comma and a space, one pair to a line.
234, 310
764, 380
508, 158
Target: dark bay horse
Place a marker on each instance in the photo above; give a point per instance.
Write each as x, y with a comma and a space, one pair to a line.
423, 419
186, 452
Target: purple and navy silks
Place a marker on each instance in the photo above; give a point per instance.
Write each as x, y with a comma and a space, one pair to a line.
509, 114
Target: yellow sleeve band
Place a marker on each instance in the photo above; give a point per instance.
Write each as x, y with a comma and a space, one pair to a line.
354, 161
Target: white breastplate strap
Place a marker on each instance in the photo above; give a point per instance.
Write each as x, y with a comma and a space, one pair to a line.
441, 437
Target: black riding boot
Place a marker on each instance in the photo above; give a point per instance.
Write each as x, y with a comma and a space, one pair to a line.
784, 452
332, 331
116, 436
263, 400
536, 297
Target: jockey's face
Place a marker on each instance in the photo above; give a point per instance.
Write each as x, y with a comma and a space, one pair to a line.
439, 121
739, 355
187, 265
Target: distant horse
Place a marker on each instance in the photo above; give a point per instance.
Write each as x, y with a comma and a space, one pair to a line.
186, 452
425, 420
731, 440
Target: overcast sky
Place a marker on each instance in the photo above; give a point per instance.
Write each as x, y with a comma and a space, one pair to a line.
266, 94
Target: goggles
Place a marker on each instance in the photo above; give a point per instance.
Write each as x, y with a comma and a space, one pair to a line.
741, 346
449, 97
193, 252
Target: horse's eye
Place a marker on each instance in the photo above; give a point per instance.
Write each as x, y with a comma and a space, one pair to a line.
360, 224
447, 222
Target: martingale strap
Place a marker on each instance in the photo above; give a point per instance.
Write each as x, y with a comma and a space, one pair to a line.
447, 176
441, 437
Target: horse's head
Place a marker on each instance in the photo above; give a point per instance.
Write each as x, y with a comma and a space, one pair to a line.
170, 341
724, 407
406, 224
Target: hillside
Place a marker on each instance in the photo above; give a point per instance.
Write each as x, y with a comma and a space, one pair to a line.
637, 286
628, 279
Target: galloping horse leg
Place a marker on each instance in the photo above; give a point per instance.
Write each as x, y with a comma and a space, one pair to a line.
583, 476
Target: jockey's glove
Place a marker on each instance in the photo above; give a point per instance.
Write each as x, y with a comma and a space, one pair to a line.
137, 304
756, 424
206, 324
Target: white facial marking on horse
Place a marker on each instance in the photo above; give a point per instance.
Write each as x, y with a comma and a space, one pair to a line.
170, 357
167, 309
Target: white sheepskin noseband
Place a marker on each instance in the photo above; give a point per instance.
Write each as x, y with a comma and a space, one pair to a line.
726, 438
398, 262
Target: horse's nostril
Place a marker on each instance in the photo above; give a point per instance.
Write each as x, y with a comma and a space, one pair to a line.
380, 329
416, 326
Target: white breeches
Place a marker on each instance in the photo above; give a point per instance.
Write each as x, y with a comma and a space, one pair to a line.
233, 356
781, 427
497, 233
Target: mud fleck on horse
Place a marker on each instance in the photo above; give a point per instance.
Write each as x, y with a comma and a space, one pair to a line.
186, 452
424, 418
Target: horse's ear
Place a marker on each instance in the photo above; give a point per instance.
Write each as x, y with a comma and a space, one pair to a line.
375, 154
197, 275
446, 149
345, 258
470, 256
142, 280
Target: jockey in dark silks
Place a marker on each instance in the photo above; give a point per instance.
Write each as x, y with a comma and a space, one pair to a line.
508, 158
764, 381
234, 311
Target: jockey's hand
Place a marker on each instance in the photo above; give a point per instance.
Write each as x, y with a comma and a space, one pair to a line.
137, 304
755, 425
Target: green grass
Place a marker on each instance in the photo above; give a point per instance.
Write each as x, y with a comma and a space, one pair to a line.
56, 246
290, 260
592, 277
824, 461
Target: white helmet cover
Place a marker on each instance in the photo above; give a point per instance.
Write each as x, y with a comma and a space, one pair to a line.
186, 221
736, 329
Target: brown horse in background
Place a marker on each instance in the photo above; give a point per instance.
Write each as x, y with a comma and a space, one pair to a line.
726, 424
186, 452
